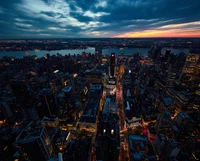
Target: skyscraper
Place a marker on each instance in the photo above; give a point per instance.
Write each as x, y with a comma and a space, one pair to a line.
112, 64
163, 124
48, 102
190, 67
34, 144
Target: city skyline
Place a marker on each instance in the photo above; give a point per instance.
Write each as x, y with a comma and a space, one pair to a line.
99, 18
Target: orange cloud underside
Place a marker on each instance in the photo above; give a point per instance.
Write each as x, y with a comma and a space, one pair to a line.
161, 33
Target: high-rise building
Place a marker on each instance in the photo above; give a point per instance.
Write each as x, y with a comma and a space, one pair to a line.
107, 142
170, 151
112, 64
159, 143
48, 102
163, 124
34, 144
167, 54
88, 120
171, 76
185, 123
69, 96
190, 66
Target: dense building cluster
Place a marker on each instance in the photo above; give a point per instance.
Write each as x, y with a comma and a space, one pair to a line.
100, 107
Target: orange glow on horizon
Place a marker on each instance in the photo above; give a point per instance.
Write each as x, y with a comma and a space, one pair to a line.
160, 33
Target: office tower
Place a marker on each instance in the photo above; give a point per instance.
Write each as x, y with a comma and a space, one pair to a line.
163, 124
190, 67
185, 124
48, 103
155, 52
159, 143
30, 113
107, 142
69, 96
88, 120
167, 54
170, 151
34, 144
171, 76
112, 64
66, 99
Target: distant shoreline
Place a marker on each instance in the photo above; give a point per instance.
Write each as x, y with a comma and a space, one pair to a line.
117, 51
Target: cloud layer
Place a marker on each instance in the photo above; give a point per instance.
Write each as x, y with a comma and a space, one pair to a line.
99, 18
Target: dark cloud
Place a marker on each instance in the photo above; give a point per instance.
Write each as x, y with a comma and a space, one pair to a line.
92, 18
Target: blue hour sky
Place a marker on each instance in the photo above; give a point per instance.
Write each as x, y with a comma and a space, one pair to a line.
99, 18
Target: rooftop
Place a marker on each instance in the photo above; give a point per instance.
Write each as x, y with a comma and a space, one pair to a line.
30, 133
95, 86
90, 112
141, 148
67, 88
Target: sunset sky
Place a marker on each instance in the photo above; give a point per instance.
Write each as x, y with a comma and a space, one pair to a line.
99, 18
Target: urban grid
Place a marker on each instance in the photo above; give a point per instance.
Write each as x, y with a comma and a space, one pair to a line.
100, 107
99, 80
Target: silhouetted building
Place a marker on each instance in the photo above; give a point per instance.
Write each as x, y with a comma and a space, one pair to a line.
107, 142
185, 124
167, 54
112, 64
159, 143
171, 76
69, 96
78, 150
163, 124
88, 121
48, 103
170, 151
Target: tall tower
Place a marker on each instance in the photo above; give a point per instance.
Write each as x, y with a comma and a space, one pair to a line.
48, 102
34, 144
112, 64
190, 66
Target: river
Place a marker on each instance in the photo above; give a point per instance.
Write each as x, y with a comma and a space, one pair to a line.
125, 51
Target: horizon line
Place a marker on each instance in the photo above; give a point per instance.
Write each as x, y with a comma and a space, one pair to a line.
103, 38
